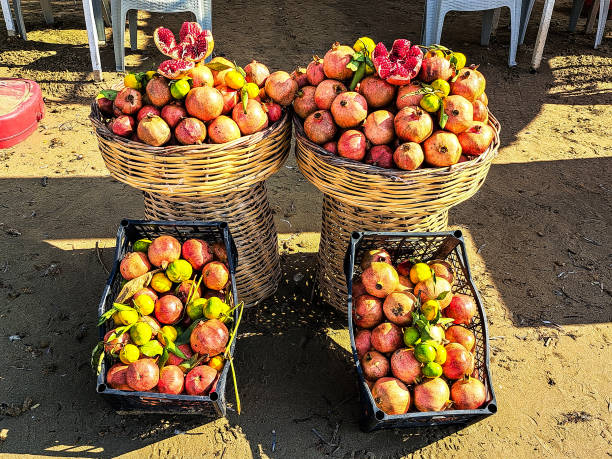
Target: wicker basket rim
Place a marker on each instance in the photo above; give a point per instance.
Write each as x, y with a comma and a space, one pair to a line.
184, 150
396, 174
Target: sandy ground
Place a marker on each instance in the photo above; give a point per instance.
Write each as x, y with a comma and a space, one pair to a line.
538, 232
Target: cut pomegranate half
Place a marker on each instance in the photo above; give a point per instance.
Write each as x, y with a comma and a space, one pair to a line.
400, 65
195, 44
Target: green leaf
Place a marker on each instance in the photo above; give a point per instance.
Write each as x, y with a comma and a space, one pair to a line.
122, 307
97, 355
152, 348
445, 320
218, 66
353, 65
244, 94
234, 331
110, 94
163, 359
442, 295
184, 337
175, 350
443, 118
107, 315
241, 71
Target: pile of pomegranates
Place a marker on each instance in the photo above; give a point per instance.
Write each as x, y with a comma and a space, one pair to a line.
189, 102
407, 108
171, 327
412, 335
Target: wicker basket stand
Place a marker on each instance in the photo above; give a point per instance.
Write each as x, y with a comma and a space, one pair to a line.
361, 197
210, 182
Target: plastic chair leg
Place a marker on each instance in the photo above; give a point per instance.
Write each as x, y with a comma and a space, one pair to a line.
118, 34
575, 15
47, 11
97, 12
133, 22
604, 7
92, 37
487, 26
429, 22
203, 15
437, 34
526, 8
542, 34
8, 17
592, 17
19, 19
515, 25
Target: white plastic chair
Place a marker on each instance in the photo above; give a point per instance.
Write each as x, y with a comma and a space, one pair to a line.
46, 10
8, 17
200, 8
435, 11
604, 7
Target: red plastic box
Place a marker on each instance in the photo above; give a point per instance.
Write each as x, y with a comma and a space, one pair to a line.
21, 108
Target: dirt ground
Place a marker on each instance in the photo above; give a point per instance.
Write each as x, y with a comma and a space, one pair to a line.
538, 232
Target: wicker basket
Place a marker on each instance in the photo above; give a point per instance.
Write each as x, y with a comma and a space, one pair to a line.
210, 182
249, 217
361, 197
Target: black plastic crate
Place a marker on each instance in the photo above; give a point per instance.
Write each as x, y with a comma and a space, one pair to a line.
209, 407
448, 246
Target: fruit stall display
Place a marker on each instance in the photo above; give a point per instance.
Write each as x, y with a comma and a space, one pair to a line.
200, 139
418, 331
168, 319
393, 138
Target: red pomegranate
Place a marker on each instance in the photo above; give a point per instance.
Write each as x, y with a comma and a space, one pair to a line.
461, 335
442, 149
128, 100
320, 127
391, 396
480, 112
434, 68
158, 91
172, 114
349, 109
336, 60
123, 125
362, 342
256, 72
399, 65
148, 110
274, 111
377, 92
116, 377
142, 375
476, 139
405, 285
314, 71
304, 103
459, 361
230, 98
105, 105
380, 279
197, 252
484, 98
200, 380
379, 155
470, 83
461, 308
432, 395
387, 337
379, 128
223, 129
171, 380
326, 92
408, 95
204, 102
183, 289
201, 76
163, 251
153, 131
367, 311
431, 289
352, 145
413, 124
209, 337
175, 359
405, 366
332, 147
408, 156
190, 131
300, 77
168, 309
114, 346
375, 365
374, 255
398, 308
134, 264
219, 251
358, 289
442, 269
254, 120
215, 275
468, 394
281, 88
460, 113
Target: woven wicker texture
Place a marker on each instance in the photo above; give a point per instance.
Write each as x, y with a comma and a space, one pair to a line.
338, 222
248, 214
194, 170
412, 193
